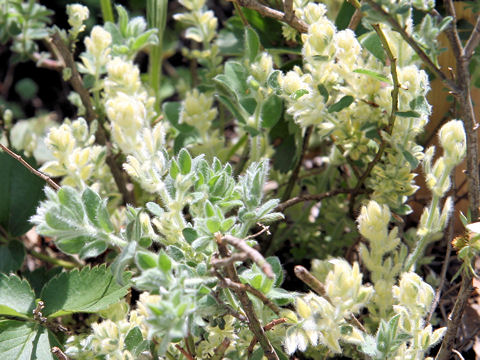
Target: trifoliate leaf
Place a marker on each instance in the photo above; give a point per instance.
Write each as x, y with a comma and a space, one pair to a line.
145, 260
24, 340
88, 290
16, 297
11, 256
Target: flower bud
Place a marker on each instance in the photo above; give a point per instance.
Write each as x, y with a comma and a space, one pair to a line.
373, 221
453, 140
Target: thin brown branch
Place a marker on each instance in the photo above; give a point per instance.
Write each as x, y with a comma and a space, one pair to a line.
267, 327
230, 260
413, 44
220, 350
101, 136
293, 21
253, 254
455, 317
355, 20
228, 308
393, 112
75, 78
59, 353
452, 32
253, 323
35, 172
310, 197
47, 63
238, 286
472, 41
288, 10
184, 352
304, 275
296, 171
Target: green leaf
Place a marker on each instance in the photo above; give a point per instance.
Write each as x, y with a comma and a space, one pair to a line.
412, 160
154, 208
88, 290
408, 114
164, 262
252, 43
298, 94
133, 338
373, 74
277, 269
20, 193
272, 80
92, 202
11, 256
213, 225
26, 88
341, 104
145, 260
184, 162
344, 15
189, 234
372, 43
323, 91
122, 261
238, 112
25, 340
16, 296
272, 110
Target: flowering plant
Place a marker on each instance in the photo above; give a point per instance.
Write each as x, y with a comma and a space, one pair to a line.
169, 192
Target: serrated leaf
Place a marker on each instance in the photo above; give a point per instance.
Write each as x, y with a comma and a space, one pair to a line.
21, 340
88, 290
20, 193
373, 74
271, 111
341, 104
11, 256
252, 43
16, 296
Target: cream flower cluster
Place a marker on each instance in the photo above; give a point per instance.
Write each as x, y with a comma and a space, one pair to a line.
335, 68
77, 14
414, 297
323, 320
77, 158
108, 337
98, 50
198, 111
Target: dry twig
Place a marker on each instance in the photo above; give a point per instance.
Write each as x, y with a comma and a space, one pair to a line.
267, 327
35, 172
253, 323
288, 17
